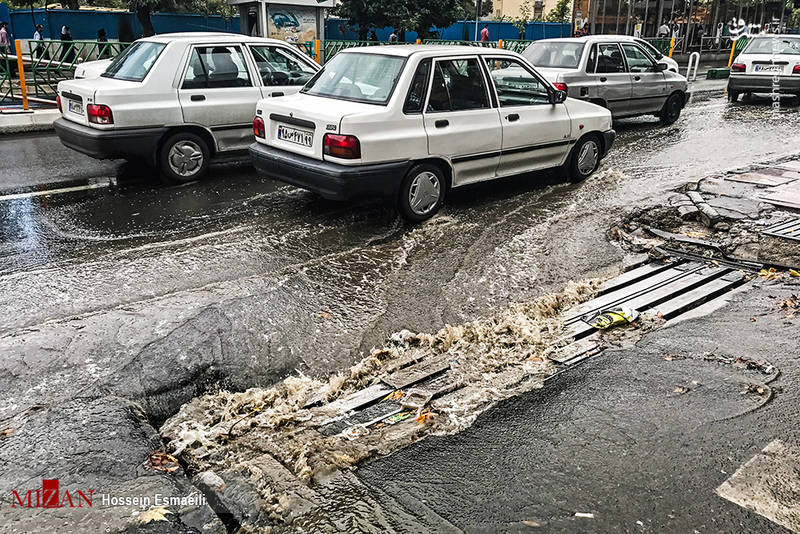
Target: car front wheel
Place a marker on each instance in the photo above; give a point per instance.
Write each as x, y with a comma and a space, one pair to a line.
583, 160
422, 192
672, 109
184, 157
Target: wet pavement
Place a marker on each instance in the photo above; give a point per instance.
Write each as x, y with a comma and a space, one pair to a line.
153, 294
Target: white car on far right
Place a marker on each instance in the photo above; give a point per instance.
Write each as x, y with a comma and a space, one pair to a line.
768, 64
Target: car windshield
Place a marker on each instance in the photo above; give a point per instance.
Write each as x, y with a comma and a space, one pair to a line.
359, 77
650, 48
562, 55
134, 64
773, 45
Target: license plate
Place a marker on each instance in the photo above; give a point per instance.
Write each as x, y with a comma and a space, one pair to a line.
293, 135
768, 68
76, 107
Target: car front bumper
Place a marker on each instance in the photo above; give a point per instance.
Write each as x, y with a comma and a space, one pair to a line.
109, 144
764, 83
608, 141
330, 180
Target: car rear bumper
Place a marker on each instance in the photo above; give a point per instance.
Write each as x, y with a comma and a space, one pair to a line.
764, 83
109, 144
608, 141
330, 180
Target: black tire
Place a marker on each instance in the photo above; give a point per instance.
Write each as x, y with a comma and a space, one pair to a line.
422, 192
577, 170
733, 96
672, 109
183, 150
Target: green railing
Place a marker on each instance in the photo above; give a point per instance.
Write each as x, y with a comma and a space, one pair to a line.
661, 44
55, 61
307, 48
516, 45
738, 46
489, 44
6, 84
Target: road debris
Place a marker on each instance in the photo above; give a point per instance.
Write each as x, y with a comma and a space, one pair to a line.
587, 515
155, 513
614, 317
161, 461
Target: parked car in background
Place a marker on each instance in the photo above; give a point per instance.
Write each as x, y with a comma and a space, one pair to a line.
412, 122
91, 69
671, 64
611, 71
767, 64
177, 100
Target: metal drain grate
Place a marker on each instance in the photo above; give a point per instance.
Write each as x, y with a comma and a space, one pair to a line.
787, 229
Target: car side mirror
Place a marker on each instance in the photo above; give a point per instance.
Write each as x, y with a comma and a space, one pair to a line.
660, 67
558, 97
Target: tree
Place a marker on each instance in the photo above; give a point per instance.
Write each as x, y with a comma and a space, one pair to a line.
560, 13
468, 8
70, 4
143, 10
416, 15
526, 15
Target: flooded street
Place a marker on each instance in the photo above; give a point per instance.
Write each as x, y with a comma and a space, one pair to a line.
140, 296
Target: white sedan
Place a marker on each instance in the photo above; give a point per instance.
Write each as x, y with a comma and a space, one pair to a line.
414, 121
768, 64
177, 100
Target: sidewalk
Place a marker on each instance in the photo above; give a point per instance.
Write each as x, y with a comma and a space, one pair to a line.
16, 120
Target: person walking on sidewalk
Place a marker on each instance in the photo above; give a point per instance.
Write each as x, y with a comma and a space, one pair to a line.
485, 34
5, 40
41, 48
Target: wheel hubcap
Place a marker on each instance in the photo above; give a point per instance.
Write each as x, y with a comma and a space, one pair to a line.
587, 158
185, 158
424, 193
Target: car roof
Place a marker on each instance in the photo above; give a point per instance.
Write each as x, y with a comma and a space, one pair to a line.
211, 37
427, 50
590, 39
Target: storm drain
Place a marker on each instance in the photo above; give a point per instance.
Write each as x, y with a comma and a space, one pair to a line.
787, 229
666, 289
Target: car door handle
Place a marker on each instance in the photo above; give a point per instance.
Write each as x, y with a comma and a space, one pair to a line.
442, 123
198, 98
603, 79
513, 117
637, 78
277, 93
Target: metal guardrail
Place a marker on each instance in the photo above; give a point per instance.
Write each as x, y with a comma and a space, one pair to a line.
516, 45
662, 44
55, 61
489, 44
6, 84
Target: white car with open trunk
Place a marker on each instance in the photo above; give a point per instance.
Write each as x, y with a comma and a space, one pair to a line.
767, 64
177, 100
411, 122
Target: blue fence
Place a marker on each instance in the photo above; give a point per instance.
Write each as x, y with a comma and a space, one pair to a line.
460, 31
119, 25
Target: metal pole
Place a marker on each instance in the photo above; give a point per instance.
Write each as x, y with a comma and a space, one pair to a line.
628, 20
619, 12
644, 22
603, 24
22, 85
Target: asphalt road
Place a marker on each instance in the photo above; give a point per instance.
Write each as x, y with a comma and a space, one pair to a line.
153, 294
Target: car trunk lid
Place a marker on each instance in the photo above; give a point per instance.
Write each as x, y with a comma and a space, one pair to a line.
76, 95
766, 64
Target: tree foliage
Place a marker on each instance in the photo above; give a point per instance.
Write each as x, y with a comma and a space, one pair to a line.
560, 13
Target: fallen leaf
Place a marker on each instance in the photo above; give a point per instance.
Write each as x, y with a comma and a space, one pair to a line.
156, 513
6, 432
425, 416
794, 273
752, 319
532, 524
679, 390
394, 395
161, 461
325, 314
670, 357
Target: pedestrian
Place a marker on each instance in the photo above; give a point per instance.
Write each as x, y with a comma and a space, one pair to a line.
102, 49
67, 48
5, 40
485, 34
663, 30
373, 36
41, 48
393, 36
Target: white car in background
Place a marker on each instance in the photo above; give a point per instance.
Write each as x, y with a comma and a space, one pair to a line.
671, 64
768, 64
91, 69
411, 122
177, 100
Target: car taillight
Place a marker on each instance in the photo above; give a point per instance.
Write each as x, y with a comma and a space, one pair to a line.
58, 103
99, 114
259, 130
341, 146
738, 67
796, 69
560, 86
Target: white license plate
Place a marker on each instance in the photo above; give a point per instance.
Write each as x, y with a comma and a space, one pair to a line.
293, 135
768, 68
76, 107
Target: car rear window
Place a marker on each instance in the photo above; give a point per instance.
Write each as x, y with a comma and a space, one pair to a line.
359, 77
561, 55
134, 64
773, 45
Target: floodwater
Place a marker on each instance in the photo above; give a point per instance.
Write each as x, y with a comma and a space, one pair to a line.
159, 294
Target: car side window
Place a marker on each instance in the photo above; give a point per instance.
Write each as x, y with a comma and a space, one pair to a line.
637, 60
458, 85
609, 59
416, 93
278, 66
515, 84
213, 67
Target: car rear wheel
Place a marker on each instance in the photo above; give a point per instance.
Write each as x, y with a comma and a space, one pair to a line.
672, 109
733, 96
583, 160
183, 158
422, 192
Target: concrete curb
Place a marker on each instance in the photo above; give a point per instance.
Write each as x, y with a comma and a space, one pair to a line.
20, 122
